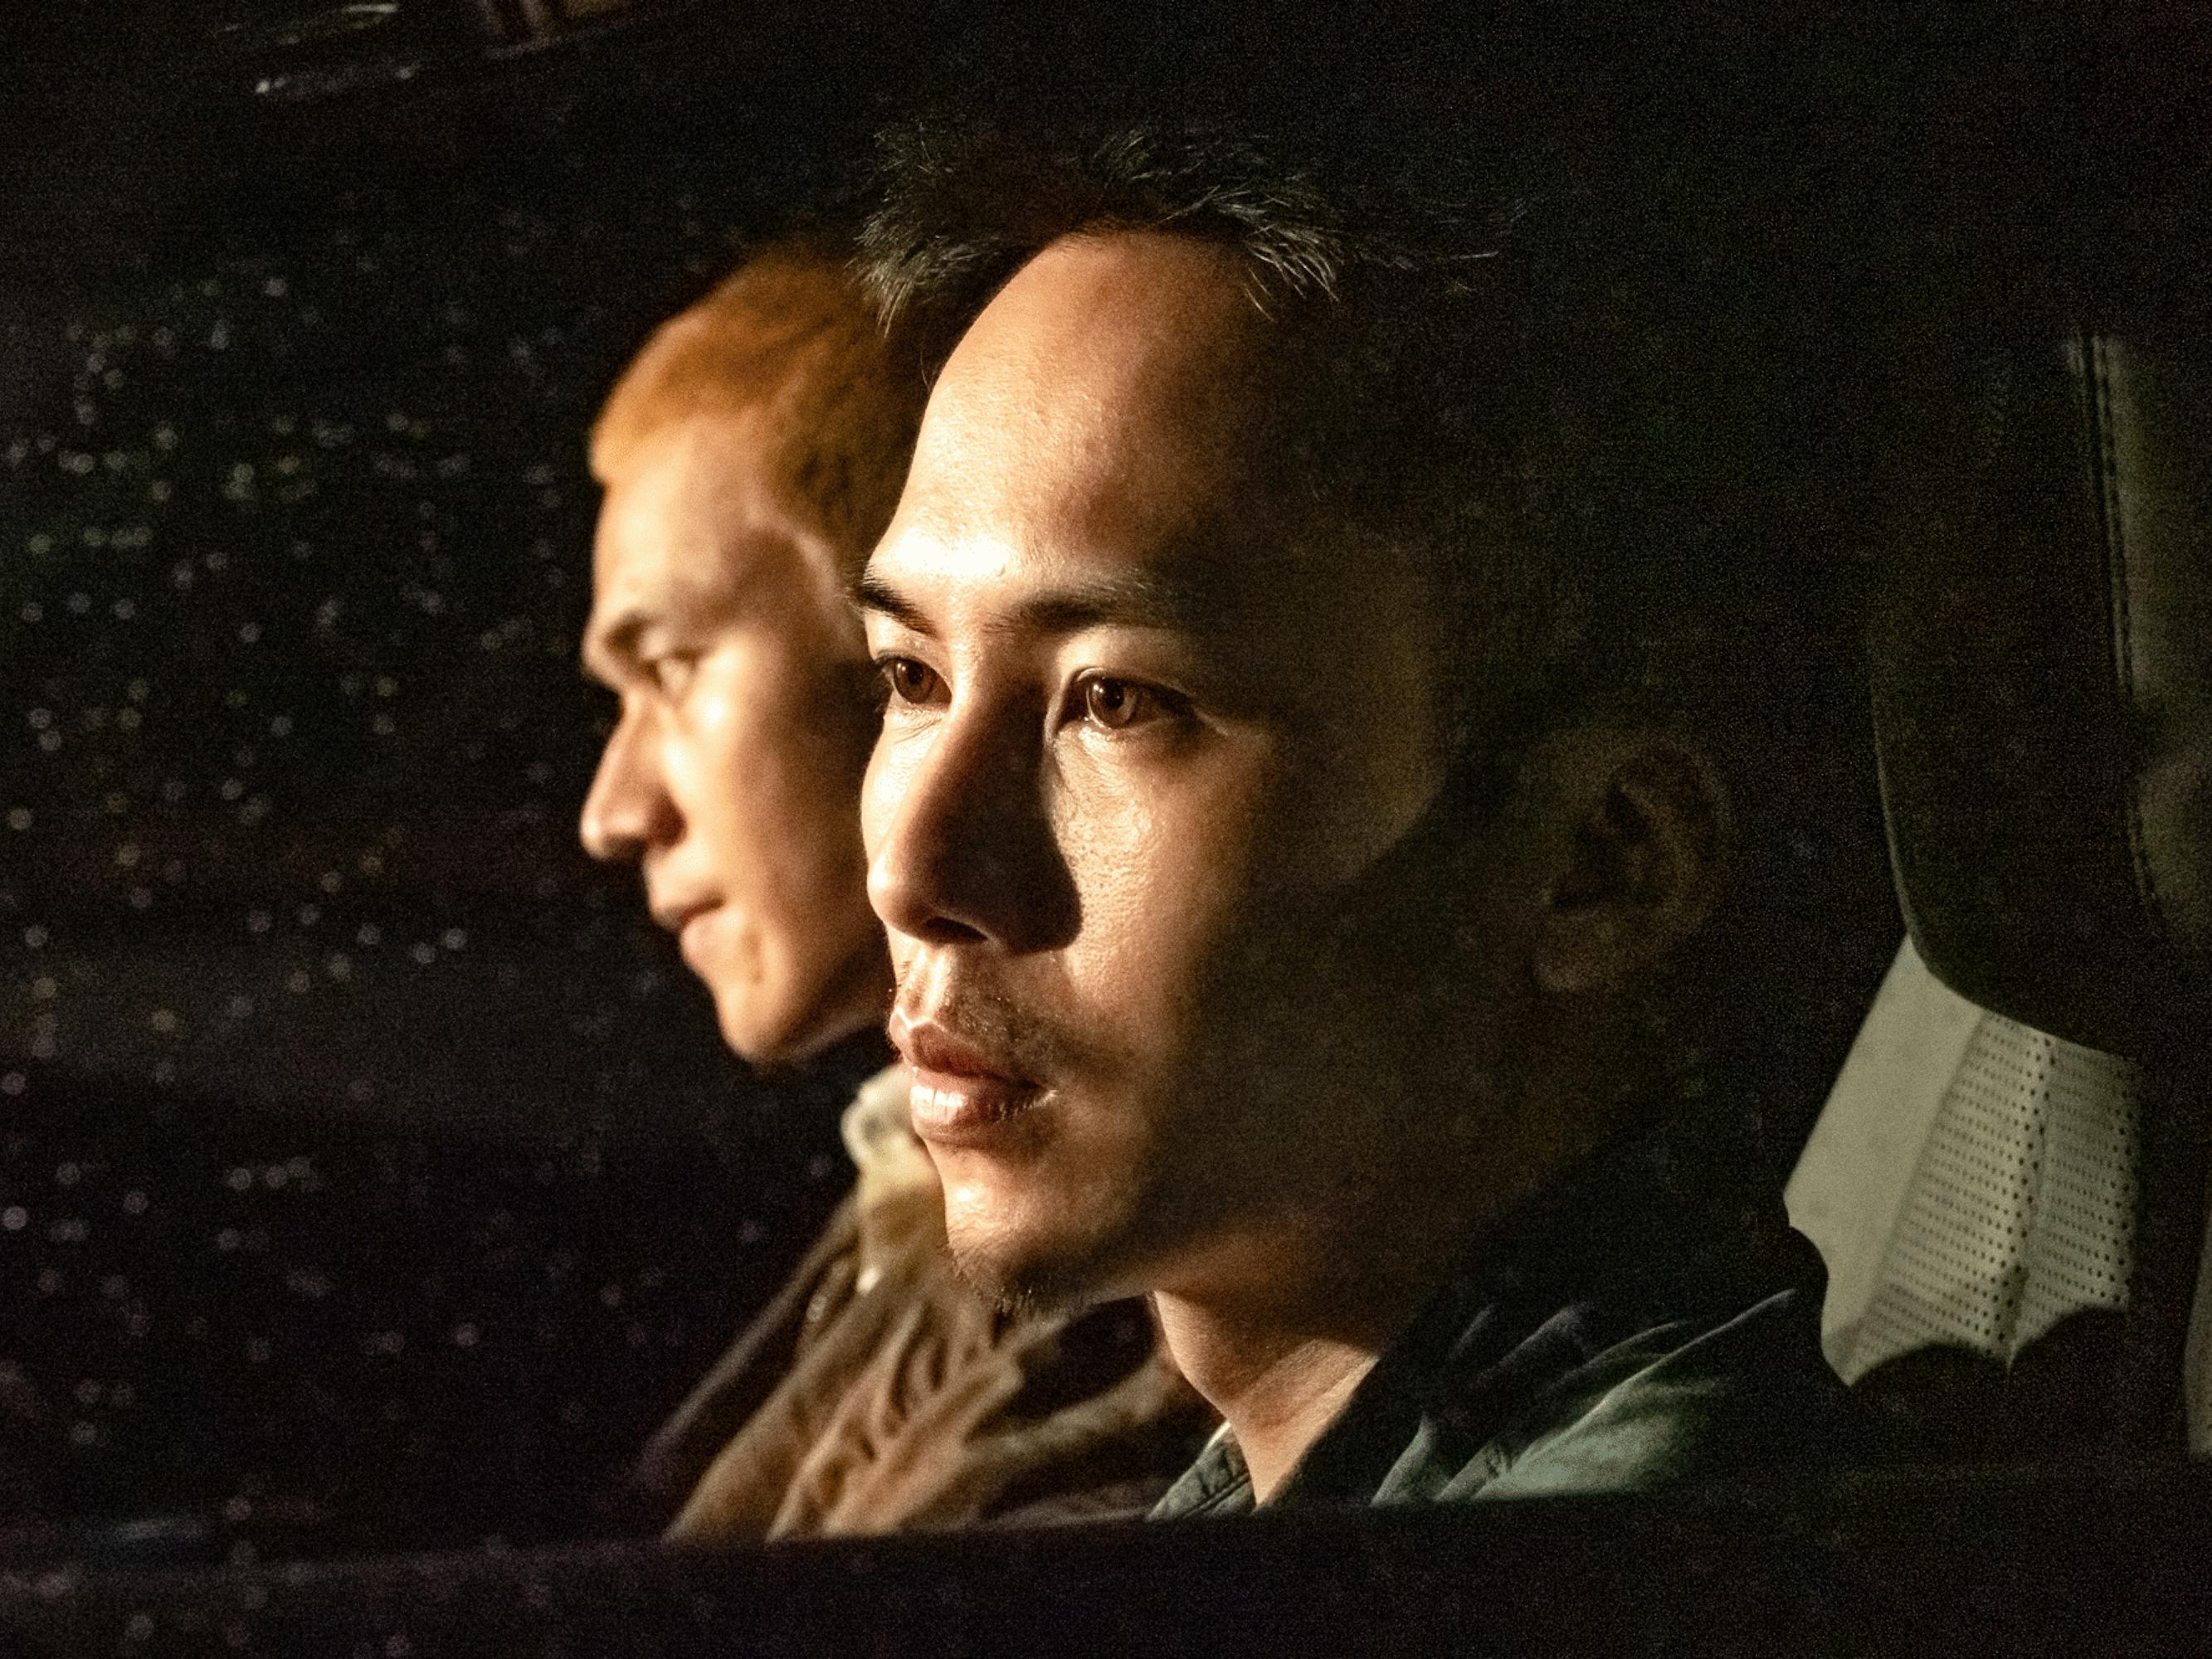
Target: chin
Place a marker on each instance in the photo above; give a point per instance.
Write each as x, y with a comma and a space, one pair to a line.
763, 1031
1021, 1271
788, 1027
1021, 1289
786, 1008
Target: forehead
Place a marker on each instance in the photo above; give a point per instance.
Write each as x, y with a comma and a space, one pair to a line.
1110, 405
696, 512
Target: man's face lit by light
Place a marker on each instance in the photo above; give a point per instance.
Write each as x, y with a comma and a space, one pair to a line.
718, 616
1136, 736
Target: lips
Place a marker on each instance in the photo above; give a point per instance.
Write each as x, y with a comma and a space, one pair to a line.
677, 915
690, 936
684, 919
963, 1096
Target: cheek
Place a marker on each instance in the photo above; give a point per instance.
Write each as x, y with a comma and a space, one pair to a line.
1165, 879
709, 749
890, 765
771, 770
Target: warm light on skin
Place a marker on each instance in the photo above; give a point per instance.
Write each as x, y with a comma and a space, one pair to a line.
1194, 1008
1111, 885
733, 775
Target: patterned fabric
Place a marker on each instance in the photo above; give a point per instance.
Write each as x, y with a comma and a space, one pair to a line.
1972, 1181
877, 1393
1604, 1339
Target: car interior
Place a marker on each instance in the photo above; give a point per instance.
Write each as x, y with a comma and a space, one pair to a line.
372, 1182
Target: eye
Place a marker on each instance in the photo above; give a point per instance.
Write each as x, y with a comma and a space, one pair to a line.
1115, 705
908, 681
671, 674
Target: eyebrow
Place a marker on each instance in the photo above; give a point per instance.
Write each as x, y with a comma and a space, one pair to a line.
1138, 601
615, 642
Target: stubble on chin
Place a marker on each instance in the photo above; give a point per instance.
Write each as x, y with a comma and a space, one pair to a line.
1019, 1290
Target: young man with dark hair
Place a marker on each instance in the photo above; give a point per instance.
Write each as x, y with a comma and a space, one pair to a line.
751, 453
1290, 864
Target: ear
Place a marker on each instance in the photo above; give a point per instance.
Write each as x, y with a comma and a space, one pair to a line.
1640, 863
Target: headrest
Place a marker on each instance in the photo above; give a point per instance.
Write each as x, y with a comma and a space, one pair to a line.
2042, 672
1971, 1183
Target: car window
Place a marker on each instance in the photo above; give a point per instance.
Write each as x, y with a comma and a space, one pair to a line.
373, 1174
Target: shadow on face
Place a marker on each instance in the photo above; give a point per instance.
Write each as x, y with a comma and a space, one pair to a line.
1147, 797
1137, 737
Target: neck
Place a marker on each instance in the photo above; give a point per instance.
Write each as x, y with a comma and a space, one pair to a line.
1278, 1327
1277, 1389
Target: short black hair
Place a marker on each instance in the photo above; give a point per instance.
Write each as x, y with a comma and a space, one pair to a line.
1405, 315
1607, 405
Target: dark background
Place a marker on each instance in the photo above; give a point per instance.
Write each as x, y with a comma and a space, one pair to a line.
369, 1171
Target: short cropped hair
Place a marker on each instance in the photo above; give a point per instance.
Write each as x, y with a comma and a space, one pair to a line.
1575, 406
1403, 341
788, 334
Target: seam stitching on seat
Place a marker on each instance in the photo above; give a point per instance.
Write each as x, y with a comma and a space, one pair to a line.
2106, 449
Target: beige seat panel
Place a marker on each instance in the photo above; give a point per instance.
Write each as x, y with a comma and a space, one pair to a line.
1971, 1182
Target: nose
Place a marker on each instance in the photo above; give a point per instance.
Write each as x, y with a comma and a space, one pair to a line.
969, 852
629, 808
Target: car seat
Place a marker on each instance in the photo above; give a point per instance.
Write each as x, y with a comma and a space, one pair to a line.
2008, 1182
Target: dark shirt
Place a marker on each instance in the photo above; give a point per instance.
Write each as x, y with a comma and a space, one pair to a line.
1623, 1332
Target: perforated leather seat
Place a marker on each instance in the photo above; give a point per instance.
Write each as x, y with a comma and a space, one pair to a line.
2017, 1143
1971, 1184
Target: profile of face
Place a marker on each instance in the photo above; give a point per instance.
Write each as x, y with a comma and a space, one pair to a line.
734, 773
1149, 763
